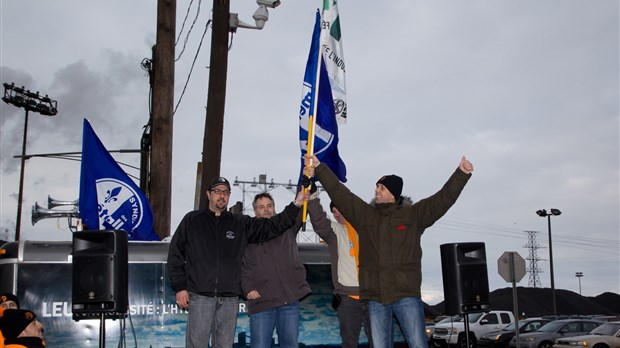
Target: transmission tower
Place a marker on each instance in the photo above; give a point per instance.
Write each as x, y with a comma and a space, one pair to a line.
253, 187
533, 259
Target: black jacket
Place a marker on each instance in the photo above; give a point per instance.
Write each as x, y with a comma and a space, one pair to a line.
205, 251
24, 342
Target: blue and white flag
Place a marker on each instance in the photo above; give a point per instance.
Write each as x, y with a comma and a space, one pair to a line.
109, 199
326, 128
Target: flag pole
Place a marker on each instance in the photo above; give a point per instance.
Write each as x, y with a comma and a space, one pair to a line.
311, 127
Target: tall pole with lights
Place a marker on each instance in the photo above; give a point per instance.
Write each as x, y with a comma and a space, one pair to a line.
579, 275
23, 98
543, 213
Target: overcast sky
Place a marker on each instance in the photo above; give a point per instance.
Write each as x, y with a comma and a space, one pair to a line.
527, 90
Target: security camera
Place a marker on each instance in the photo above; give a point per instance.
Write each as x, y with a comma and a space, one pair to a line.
260, 17
268, 3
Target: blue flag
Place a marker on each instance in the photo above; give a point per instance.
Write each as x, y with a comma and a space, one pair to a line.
109, 199
326, 129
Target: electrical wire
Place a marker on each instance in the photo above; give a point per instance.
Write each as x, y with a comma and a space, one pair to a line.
468, 226
192, 68
121, 340
189, 7
190, 29
133, 331
232, 36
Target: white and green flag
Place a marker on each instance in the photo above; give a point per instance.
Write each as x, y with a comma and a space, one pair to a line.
334, 57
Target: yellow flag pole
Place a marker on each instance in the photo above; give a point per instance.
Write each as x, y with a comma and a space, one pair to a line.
311, 127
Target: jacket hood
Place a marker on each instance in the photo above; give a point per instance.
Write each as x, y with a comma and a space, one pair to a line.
403, 200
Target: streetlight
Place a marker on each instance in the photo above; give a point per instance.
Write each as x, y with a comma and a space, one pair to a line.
579, 275
23, 98
543, 213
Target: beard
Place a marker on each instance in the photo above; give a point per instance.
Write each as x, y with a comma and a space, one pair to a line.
221, 204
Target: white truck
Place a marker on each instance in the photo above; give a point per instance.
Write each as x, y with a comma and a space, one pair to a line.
453, 333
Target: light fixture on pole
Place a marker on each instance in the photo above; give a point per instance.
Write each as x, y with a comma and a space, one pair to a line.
579, 275
543, 213
23, 98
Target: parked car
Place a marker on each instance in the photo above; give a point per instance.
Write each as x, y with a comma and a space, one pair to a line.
605, 336
501, 338
430, 327
548, 333
606, 318
479, 323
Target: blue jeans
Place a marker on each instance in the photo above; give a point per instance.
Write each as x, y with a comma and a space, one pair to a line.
211, 317
285, 319
409, 312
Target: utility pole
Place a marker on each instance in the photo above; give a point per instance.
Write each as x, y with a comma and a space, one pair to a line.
163, 103
216, 98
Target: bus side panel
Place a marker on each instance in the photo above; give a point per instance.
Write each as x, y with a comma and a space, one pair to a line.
154, 316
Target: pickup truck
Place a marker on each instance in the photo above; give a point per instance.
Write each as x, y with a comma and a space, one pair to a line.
453, 333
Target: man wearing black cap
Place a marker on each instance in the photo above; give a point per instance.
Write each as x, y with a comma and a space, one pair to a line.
390, 249
204, 263
9, 301
20, 328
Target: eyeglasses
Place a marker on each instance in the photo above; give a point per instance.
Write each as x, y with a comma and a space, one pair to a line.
221, 192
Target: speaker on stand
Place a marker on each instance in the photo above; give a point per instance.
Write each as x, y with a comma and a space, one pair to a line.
465, 280
99, 276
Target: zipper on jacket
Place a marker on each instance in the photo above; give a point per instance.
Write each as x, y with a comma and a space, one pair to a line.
217, 253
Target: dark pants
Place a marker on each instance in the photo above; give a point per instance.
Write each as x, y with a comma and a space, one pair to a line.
352, 314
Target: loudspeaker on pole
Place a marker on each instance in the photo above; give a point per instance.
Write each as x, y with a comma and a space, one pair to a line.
465, 278
99, 274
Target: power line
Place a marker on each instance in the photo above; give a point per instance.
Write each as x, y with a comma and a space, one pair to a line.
190, 29
468, 226
192, 68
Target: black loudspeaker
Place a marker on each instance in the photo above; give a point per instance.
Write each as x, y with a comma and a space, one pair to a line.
99, 275
465, 278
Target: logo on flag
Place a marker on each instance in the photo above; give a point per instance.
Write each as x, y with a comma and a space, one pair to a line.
118, 198
109, 199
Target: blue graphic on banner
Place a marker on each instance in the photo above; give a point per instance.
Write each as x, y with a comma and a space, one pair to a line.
326, 129
109, 199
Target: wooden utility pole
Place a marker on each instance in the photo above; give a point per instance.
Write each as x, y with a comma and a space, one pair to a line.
163, 103
216, 98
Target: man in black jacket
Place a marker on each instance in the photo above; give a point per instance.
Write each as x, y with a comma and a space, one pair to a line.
204, 263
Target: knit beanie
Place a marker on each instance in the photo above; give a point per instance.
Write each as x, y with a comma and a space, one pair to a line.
393, 183
7, 296
14, 321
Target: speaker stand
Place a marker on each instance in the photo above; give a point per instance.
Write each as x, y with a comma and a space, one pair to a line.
466, 323
102, 331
